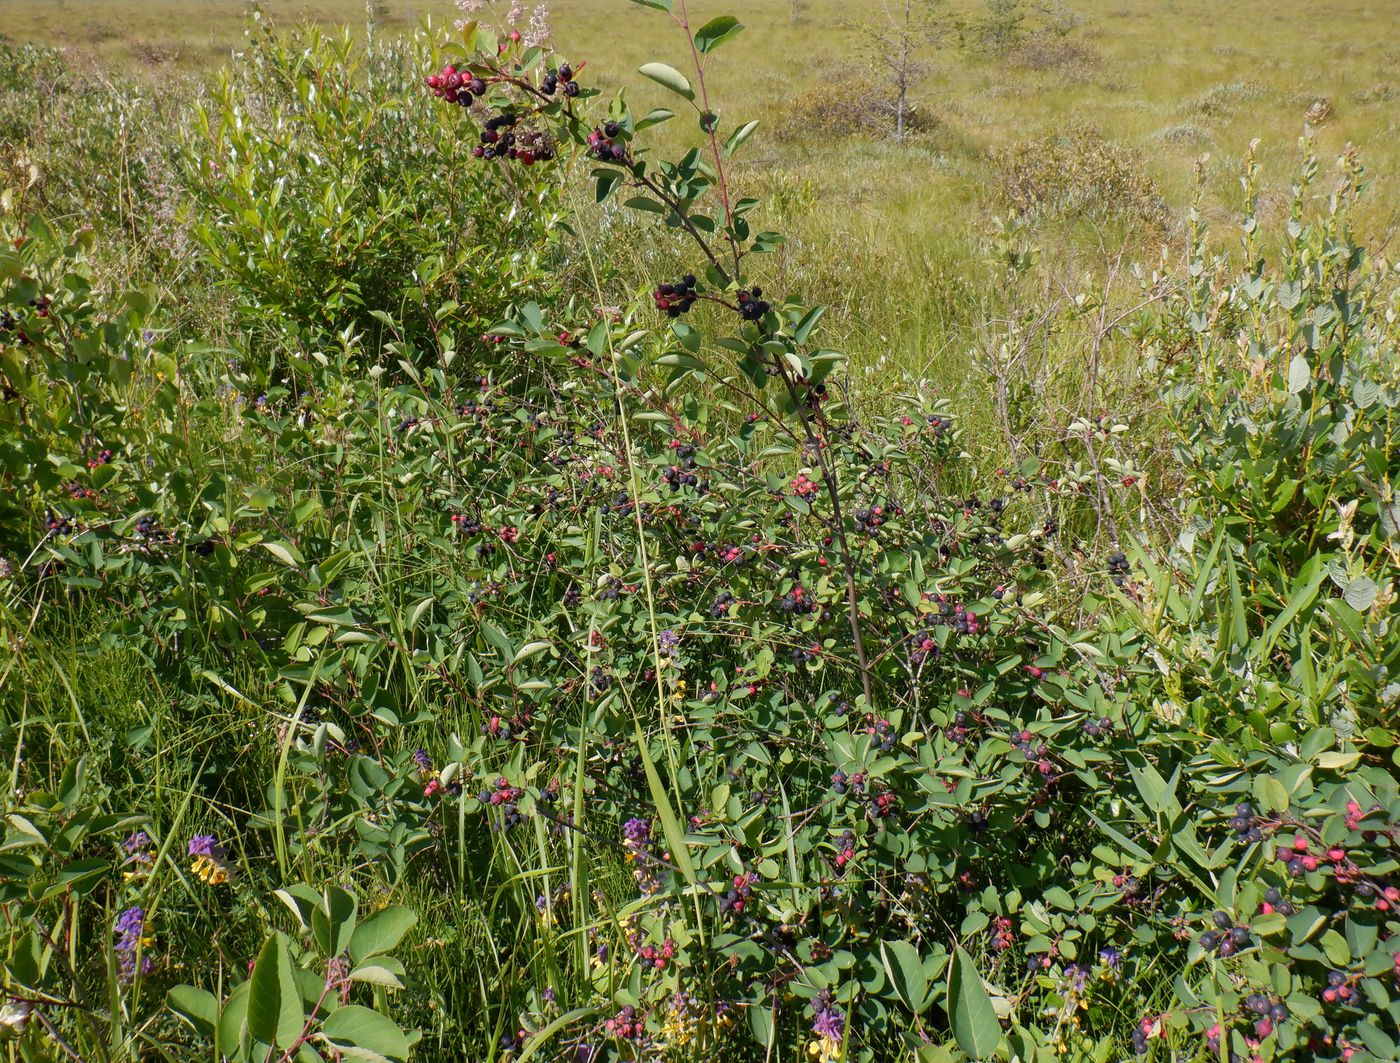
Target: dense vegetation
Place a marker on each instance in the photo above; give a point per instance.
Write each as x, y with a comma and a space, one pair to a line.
432, 634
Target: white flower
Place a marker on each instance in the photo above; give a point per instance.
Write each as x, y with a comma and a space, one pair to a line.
538, 31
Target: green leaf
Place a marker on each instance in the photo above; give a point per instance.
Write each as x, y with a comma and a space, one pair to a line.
198, 1007
377, 974
715, 32
1337, 949
540, 1038
529, 650
1304, 591
737, 138
232, 1021
655, 116
670, 822
608, 180
1299, 374
381, 932
1271, 793
285, 553
353, 1026
906, 973
669, 77
274, 1005
333, 922
651, 206
660, 5
1361, 593
974, 1019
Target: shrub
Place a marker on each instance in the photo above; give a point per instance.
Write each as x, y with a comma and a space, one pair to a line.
846, 114
1076, 172
326, 196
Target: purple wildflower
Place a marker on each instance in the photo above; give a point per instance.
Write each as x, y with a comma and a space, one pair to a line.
829, 1021
208, 861
139, 855
203, 845
131, 928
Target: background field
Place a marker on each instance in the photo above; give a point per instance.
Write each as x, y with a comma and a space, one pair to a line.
1166, 82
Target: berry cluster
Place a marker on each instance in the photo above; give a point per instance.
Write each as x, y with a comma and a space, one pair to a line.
1227, 938
501, 729
721, 605
604, 145
752, 305
885, 805
549, 85
1151, 1026
883, 733
456, 86
1274, 902
924, 647
465, 525
1118, 568
1262, 1006
1245, 823
684, 475
841, 782
796, 601
641, 850
738, 896
1338, 988
676, 299
870, 520
804, 487
956, 616
1100, 728
958, 730
656, 957
626, 1025
501, 140
1299, 858
504, 796
1003, 934
845, 850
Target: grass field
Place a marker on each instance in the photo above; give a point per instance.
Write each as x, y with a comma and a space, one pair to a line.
1167, 82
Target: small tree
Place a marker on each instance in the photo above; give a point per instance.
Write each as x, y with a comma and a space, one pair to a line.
899, 47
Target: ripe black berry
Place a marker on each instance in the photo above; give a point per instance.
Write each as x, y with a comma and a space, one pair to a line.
752, 307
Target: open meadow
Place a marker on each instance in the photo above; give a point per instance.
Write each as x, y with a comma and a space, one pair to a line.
791, 530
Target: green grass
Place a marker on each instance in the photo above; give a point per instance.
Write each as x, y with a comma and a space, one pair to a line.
894, 237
